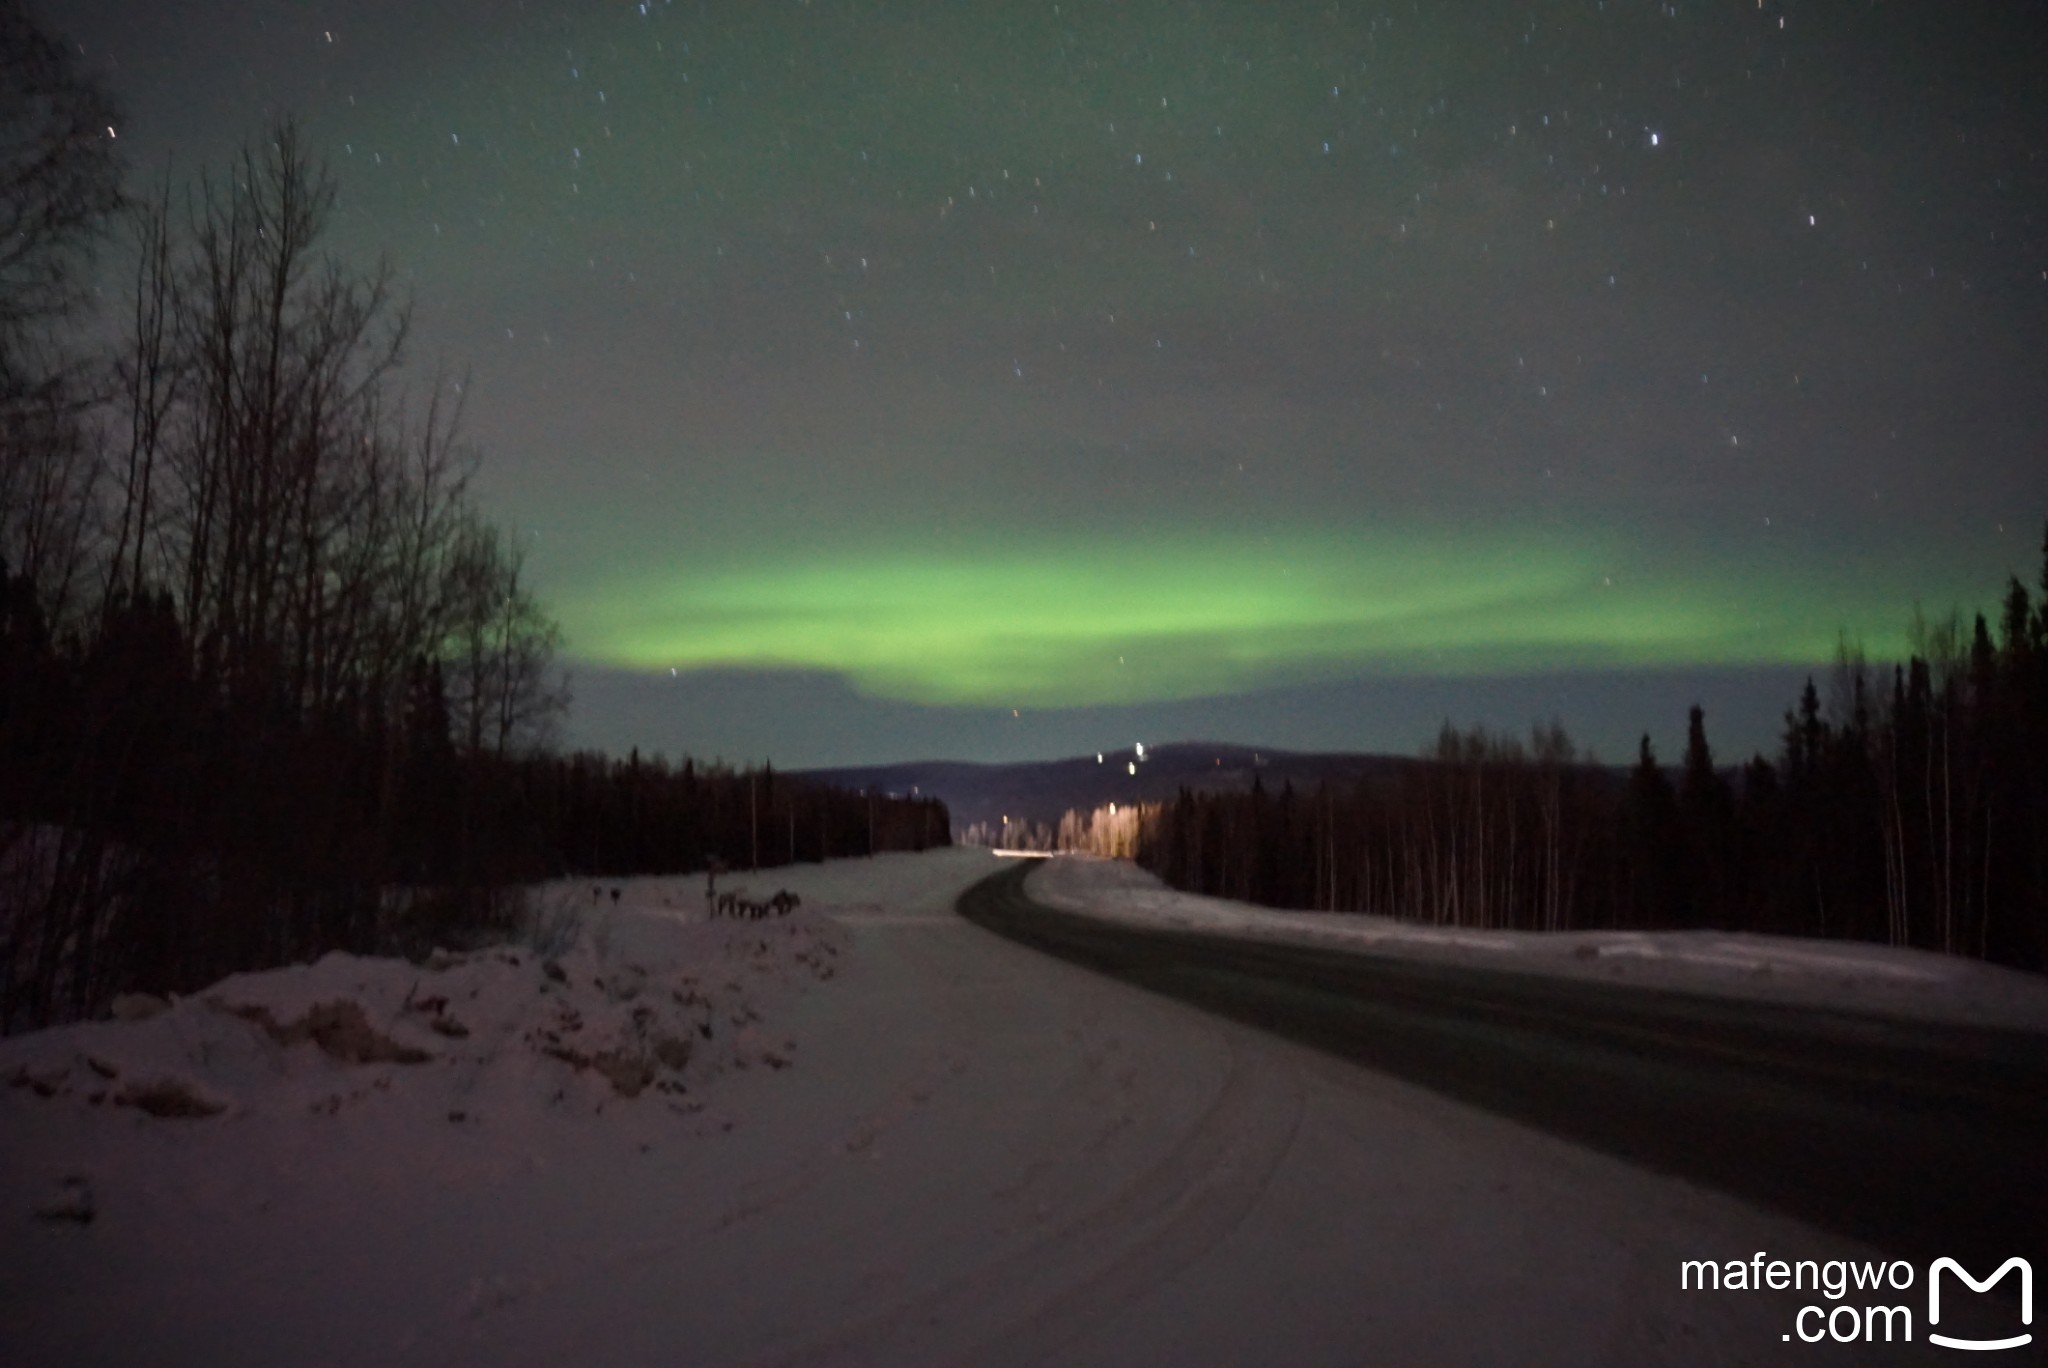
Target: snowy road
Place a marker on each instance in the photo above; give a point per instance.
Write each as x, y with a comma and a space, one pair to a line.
979, 1154
1923, 1137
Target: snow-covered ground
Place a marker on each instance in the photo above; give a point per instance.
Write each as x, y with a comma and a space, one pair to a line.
1868, 978
867, 1133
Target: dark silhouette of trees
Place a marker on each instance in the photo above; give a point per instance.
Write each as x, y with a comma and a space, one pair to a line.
269, 683
1482, 831
591, 814
59, 177
1654, 844
1706, 819
60, 185
1915, 815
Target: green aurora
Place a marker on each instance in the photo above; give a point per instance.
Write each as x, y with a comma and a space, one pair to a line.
1120, 356
1163, 616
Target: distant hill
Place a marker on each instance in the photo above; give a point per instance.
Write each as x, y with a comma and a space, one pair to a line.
1042, 791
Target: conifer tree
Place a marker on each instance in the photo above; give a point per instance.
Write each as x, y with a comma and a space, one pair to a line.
1706, 812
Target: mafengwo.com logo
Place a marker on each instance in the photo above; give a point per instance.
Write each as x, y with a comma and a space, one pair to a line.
1864, 1320
2026, 1272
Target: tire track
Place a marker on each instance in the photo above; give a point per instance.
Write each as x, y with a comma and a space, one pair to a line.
1075, 1271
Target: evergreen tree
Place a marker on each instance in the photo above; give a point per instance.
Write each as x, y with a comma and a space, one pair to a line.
1654, 842
1706, 811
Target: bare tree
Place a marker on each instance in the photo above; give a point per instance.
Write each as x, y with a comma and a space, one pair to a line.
149, 379
49, 483
60, 181
1554, 753
499, 652
260, 468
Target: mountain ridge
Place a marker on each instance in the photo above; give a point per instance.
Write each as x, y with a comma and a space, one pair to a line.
1043, 790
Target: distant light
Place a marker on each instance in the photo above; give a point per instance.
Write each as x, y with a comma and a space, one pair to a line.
1134, 767
1112, 809
1653, 139
1141, 750
1098, 757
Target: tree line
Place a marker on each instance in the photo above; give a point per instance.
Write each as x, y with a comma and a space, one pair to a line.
270, 681
1910, 808
606, 816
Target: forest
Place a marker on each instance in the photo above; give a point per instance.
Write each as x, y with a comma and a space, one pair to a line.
1910, 808
271, 684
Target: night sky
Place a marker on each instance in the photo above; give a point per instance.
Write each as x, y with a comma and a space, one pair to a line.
979, 380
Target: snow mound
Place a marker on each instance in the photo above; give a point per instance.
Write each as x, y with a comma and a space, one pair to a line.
495, 1033
1842, 974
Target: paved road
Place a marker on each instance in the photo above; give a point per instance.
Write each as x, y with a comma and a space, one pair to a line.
1921, 1139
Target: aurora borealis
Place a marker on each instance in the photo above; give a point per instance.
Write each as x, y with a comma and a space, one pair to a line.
1118, 621
868, 380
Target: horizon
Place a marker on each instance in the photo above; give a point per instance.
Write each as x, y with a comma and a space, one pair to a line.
841, 730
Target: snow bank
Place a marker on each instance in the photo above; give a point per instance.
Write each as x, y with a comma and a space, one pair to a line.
636, 1012
1844, 974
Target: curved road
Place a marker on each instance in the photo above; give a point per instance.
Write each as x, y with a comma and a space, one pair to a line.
975, 1153
1922, 1139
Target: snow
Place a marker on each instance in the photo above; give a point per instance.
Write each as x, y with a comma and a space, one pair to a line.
904, 1141
1881, 979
